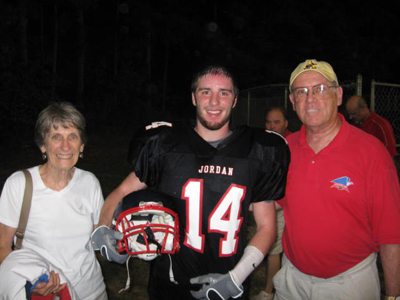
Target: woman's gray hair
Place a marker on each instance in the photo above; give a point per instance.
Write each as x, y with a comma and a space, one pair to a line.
59, 114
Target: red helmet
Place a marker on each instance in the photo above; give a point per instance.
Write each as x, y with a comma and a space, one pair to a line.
149, 224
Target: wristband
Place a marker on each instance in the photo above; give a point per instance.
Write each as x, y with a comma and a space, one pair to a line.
250, 260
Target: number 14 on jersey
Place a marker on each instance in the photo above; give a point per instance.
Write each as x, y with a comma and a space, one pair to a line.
224, 218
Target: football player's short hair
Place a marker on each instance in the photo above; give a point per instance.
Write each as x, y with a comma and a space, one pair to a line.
214, 70
59, 114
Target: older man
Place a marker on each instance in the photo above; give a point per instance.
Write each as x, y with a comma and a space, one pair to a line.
370, 122
342, 200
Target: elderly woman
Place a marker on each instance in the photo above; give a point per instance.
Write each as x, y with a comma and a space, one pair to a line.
65, 208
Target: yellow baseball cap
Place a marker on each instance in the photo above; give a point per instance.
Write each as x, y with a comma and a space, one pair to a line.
321, 67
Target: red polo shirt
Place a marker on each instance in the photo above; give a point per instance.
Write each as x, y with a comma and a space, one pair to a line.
341, 203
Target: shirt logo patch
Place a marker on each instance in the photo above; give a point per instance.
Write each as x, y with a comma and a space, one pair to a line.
342, 183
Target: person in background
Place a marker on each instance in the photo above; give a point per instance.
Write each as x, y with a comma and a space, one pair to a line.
215, 172
342, 201
368, 121
275, 120
65, 208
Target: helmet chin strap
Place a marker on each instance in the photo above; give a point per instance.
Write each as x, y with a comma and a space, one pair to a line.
128, 279
150, 238
171, 272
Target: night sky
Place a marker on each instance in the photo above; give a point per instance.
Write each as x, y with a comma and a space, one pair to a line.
134, 60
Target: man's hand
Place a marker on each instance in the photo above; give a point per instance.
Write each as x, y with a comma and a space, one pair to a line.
216, 287
105, 239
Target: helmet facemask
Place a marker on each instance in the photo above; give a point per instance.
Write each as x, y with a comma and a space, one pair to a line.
149, 229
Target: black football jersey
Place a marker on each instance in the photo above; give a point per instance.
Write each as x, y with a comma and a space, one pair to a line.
213, 187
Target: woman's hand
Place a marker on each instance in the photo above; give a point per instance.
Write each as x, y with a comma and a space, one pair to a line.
52, 286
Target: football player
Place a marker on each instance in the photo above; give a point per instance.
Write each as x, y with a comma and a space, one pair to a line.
215, 172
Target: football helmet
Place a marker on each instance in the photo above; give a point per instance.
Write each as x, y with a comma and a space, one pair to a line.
149, 225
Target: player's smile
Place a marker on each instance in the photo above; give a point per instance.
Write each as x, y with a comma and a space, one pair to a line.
214, 113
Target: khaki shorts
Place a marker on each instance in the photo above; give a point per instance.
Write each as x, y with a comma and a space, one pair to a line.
358, 283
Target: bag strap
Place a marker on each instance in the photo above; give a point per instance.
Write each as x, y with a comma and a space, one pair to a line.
26, 206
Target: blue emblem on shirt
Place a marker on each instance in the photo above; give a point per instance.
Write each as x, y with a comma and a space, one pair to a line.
342, 183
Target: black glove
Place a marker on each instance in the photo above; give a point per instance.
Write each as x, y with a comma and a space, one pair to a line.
216, 287
105, 239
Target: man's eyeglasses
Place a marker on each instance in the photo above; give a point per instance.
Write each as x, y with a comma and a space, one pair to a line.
320, 92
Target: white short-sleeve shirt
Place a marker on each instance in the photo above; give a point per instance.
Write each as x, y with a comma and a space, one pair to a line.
60, 224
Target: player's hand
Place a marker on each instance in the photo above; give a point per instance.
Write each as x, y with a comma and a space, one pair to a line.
105, 239
51, 284
216, 287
